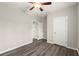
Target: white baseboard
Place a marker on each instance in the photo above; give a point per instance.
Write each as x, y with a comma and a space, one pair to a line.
71, 48
74, 49
15, 47
31, 42
78, 51
66, 47
50, 42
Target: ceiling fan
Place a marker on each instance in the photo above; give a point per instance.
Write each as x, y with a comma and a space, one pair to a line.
39, 5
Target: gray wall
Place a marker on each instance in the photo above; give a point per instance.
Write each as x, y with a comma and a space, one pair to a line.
45, 28
71, 12
15, 28
43, 20
78, 27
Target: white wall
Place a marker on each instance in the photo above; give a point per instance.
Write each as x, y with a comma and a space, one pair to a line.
71, 12
15, 28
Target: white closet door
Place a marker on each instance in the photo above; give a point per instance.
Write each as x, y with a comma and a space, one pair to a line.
60, 31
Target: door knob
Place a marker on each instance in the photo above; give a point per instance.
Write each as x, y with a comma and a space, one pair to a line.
54, 32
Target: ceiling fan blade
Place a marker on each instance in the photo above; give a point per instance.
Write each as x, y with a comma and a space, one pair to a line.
30, 2
31, 8
46, 3
41, 9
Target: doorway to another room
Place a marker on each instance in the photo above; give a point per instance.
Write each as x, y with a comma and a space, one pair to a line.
37, 30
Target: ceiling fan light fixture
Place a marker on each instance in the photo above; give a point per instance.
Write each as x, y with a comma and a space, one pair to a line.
37, 5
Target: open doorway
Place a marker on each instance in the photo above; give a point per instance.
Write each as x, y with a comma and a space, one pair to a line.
37, 30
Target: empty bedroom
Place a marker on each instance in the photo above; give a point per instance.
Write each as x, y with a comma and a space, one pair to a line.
39, 28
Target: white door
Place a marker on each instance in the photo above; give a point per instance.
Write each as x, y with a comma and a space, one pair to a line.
60, 31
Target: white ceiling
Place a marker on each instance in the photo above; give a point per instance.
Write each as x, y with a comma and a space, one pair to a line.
24, 6
58, 5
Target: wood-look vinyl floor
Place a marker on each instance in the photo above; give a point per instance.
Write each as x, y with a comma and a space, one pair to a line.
41, 48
